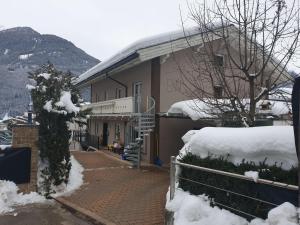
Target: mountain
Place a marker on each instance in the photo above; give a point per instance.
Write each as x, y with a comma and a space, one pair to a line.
23, 49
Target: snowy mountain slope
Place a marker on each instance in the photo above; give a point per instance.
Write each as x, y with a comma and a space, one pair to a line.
22, 49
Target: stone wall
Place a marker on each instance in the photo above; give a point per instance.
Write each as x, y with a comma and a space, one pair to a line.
27, 136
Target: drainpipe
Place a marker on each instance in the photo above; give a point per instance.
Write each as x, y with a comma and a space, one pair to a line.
120, 83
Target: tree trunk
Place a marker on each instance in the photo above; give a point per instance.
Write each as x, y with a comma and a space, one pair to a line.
252, 103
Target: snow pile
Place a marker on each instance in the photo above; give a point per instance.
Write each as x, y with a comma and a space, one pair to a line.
280, 108
193, 210
10, 198
274, 143
75, 179
66, 102
187, 137
252, 174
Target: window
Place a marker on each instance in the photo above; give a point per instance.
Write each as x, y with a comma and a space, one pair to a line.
117, 131
219, 60
218, 91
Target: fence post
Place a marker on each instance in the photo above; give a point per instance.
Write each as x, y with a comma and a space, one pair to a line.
172, 176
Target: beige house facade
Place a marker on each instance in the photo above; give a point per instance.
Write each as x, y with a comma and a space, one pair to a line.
144, 79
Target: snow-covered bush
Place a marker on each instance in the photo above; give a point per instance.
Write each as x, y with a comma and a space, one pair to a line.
56, 102
268, 152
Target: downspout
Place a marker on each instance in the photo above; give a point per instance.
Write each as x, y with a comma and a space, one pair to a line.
120, 83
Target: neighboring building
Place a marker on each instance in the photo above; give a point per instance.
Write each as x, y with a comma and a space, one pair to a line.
132, 91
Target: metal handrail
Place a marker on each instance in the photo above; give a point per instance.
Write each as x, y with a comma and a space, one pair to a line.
239, 176
151, 105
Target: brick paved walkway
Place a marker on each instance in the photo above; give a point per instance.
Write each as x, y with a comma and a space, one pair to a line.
120, 194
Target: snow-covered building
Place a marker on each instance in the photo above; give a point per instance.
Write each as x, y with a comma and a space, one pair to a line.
132, 91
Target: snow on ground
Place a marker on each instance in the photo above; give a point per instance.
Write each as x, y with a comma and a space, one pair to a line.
276, 143
196, 109
75, 179
9, 198
196, 210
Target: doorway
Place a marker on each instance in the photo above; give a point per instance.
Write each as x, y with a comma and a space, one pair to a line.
105, 134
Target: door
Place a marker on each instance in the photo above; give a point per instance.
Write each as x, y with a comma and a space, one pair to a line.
105, 134
137, 94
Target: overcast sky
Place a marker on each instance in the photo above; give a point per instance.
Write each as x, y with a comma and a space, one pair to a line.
99, 27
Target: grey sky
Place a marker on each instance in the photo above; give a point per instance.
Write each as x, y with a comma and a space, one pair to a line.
99, 27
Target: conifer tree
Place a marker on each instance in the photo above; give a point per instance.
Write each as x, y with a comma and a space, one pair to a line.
55, 102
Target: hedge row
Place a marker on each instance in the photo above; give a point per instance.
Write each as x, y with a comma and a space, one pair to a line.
259, 209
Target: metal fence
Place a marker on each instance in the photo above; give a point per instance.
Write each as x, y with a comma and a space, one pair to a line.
286, 192
86, 139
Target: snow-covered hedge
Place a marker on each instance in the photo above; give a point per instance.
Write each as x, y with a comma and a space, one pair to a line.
264, 152
272, 144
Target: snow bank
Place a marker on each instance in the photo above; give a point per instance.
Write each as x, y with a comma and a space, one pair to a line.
75, 179
187, 137
276, 143
196, 210
9, 197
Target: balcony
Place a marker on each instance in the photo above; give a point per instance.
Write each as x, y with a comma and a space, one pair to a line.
115, 106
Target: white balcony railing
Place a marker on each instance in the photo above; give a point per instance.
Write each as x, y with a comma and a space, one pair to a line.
115, 106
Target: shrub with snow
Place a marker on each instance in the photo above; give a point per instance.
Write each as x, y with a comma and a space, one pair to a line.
255, 144
56, 102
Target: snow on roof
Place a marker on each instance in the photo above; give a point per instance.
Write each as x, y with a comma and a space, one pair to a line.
197, 109
138, 45
273, 143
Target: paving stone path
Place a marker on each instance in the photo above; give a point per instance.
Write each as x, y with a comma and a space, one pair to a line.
119, 194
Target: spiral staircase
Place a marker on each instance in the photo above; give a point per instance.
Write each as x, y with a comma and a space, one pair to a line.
143, 124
